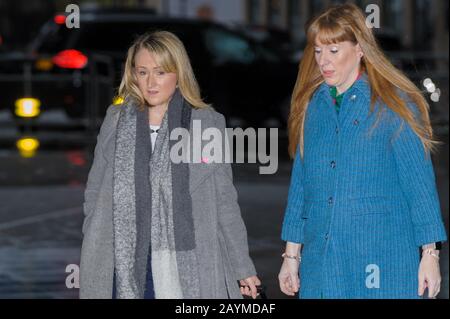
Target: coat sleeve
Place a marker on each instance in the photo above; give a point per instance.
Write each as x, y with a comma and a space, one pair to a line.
230, 219
293, 223
417, 180
97, 171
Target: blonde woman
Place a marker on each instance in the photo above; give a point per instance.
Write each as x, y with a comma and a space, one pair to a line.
363, 217
155, 227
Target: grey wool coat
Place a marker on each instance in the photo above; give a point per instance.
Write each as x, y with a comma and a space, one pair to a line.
220, 233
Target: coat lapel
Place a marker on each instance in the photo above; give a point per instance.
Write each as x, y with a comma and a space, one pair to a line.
355, 104
200, 171
327, 102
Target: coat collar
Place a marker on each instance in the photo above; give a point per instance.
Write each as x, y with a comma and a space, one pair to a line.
361, 86
358, 96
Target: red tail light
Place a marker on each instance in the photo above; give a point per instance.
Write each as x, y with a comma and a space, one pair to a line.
60, 19
70, 59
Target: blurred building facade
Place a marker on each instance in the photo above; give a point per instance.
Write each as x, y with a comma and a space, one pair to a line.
418, 24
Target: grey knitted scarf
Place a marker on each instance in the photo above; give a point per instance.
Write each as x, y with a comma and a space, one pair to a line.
152, 207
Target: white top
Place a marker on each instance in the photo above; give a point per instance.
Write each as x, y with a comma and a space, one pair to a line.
153, 134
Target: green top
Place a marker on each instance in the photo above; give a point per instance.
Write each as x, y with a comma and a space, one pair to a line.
337, 99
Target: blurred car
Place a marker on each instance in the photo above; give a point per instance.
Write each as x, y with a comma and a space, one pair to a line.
80, 69
271, 37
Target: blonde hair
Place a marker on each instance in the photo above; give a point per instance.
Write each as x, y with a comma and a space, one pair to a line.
172, 57
347, 23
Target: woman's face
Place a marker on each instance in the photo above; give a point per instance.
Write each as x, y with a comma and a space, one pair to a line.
156, 86
339, 63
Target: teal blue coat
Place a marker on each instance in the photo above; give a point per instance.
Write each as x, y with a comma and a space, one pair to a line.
361, 201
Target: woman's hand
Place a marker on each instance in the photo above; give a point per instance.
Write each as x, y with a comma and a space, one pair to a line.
429, 276
288, 276
249, 286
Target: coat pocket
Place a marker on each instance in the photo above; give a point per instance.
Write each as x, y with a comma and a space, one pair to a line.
306, 209
377, 205
311, 221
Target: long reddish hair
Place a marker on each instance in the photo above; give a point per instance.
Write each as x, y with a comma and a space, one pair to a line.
348, 23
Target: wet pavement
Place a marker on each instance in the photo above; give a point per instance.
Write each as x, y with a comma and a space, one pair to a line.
41, 214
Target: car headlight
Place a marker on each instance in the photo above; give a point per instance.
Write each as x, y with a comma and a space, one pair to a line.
28, 107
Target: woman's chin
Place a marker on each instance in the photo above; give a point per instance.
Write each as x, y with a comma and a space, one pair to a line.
330, 82
153, 102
